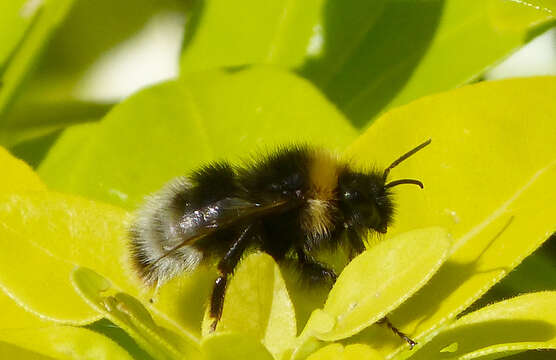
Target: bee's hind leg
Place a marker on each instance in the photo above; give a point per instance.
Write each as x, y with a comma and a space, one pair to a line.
154, 295
225, 268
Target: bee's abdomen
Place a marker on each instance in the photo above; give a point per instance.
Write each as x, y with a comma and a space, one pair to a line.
174, 215
155, 233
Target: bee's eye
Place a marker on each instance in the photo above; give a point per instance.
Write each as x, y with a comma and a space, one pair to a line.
292, 182
287, 185
351, 195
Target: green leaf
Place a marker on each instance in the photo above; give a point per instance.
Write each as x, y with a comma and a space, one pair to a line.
33, 151
128, 313
68, 145
118, 335
362, 78
257, 303
486, 174
380, 279
170, 129
31, 120
319, 41
43, 236
55, 94
232, 346
537, 272
350, 352
515, 15
250, 32
366, 56
411, 52
63, 342
15, 18
341, 31
522, 323
21, 63
91, 30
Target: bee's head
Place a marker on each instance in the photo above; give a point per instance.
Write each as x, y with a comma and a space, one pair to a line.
364, 201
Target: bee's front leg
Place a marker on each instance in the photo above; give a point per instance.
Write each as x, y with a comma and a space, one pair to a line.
314, 270
395, 330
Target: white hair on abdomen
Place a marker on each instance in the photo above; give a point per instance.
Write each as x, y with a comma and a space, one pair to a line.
154, 234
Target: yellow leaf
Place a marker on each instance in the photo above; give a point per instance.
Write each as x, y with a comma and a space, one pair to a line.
63, 342
381, 278
18, 176
8, 351
130, 315
232, 346
14, 316
489, 176
350, 352
43, 236
522, 323
54, 233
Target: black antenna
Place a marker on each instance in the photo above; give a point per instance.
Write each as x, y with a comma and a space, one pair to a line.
397, 162
404, 181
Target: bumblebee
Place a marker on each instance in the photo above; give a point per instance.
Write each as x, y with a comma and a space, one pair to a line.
290, 203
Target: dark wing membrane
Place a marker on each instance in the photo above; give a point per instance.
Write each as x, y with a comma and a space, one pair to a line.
199, 223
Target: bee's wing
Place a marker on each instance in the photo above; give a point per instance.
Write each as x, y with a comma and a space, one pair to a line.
202, 222
230, 211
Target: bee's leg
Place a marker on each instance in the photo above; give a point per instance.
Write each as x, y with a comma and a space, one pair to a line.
315, 270
357, 247
226, 267
406, 338
356, 242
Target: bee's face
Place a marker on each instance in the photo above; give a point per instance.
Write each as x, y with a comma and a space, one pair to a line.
364, 201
